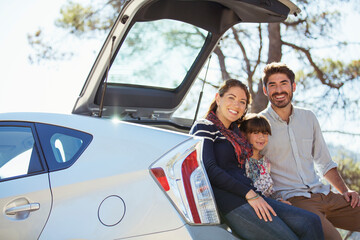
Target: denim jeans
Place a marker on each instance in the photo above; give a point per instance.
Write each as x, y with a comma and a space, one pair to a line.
290, 223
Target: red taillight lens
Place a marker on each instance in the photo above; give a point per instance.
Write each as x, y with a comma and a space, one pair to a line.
188, 166
181, 174
161, 177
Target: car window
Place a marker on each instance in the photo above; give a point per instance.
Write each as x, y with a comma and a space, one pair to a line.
189, 106
62, 146
157, 54
18, 154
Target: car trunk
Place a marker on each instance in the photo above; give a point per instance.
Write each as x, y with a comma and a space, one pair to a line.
156, 50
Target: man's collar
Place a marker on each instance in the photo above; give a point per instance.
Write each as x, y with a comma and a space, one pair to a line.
275, 115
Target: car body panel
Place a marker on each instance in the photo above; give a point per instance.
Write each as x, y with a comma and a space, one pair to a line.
22, 192
117, 165
96, 126
191, 232
80, 203
25, 195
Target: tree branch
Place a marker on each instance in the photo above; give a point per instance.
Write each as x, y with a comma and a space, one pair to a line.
319, 73
221, 57
258, 61
294, 23
341, 132
246, 59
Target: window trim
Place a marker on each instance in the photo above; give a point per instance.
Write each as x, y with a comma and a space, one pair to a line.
46, 131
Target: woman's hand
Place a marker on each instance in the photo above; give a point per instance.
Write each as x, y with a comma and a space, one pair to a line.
260, 206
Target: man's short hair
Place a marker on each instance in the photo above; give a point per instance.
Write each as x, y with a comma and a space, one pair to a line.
277, 67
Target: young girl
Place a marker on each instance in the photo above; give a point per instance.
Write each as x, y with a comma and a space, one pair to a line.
247, 211
256, 129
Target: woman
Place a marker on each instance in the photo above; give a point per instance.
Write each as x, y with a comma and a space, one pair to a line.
247, 212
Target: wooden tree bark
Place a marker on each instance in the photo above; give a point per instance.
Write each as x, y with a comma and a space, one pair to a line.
275, 43
221, 57
260, 101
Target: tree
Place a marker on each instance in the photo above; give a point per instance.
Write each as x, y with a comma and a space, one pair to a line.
256, 44
302, 36
349, 169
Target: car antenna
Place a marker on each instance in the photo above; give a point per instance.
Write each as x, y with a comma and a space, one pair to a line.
105, 82
202, 90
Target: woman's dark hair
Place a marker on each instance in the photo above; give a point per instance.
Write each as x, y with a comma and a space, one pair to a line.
277, 67
225, 86
255, 123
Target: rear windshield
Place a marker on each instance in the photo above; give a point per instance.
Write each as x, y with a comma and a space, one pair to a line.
157, 54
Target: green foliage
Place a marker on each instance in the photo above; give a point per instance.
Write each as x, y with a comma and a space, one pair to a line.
335, 73
349, 169
334, 80
80, 19
44, 49
340, 72
73, 17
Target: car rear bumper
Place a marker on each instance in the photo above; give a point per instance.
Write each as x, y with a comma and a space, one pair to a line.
188, 232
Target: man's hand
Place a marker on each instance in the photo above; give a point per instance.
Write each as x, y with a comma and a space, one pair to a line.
334, 178
353, 197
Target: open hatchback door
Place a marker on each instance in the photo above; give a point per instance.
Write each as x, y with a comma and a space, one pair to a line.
155, 52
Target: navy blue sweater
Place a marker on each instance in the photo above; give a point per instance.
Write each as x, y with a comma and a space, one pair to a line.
227, 178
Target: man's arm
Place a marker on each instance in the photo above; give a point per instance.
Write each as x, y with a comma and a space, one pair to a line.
327, 167
334, 178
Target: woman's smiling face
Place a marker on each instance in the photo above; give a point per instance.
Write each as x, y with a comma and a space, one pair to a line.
231, 106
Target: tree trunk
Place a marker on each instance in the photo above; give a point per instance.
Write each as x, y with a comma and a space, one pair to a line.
260, 101
275, 43
221, 57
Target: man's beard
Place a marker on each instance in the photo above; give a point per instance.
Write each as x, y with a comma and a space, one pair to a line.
281, 104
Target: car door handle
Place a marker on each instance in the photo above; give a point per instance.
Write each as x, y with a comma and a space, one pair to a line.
28, 207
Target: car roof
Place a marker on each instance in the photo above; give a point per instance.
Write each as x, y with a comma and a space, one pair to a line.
74, 121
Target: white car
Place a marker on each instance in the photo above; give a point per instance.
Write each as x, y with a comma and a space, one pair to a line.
122, 166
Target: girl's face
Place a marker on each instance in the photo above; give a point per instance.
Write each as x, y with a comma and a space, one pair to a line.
231, 106
258, 140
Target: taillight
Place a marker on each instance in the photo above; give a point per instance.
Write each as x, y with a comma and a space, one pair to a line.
189, 165
181, 175
160, 176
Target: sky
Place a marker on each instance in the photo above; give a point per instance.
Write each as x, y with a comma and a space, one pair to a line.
54, 86
45, 87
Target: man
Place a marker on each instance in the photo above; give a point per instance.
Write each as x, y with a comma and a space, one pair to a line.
296, 147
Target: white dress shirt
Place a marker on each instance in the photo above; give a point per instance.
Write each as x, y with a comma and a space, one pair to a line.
298, 153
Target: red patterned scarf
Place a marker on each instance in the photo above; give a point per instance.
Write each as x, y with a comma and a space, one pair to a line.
243, 148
